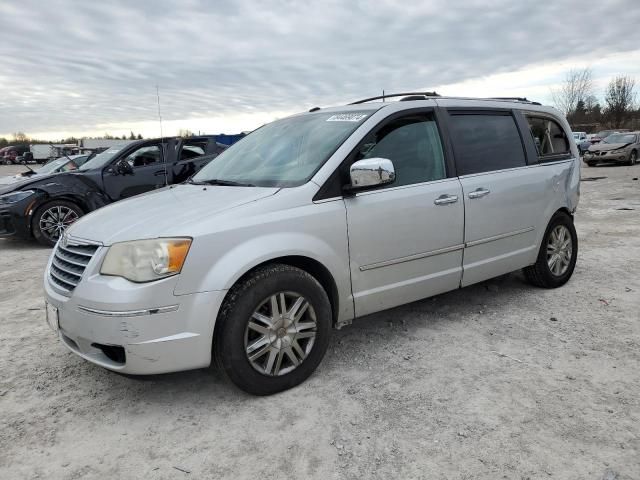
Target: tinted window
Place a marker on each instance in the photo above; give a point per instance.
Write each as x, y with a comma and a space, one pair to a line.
412, 144
483, 143
548, 136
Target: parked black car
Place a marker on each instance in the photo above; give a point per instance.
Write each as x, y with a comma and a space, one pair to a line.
44, 206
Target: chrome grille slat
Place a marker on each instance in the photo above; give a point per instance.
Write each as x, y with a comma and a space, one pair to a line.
69, 263
82, 262
61, 282
78, 251
66, 269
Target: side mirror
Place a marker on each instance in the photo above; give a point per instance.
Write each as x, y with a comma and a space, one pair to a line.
123, 167
371, 172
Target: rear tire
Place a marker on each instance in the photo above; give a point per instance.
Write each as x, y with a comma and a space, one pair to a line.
52, 219
259, 331
557, 255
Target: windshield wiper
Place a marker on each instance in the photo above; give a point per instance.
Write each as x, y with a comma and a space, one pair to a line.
216, 181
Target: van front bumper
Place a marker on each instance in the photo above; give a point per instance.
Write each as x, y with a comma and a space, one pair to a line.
136, 334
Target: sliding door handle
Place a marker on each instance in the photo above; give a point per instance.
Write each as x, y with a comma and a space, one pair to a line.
446, 199
479, 192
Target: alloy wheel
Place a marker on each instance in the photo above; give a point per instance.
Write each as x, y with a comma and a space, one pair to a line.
559, 250
55, 220
280, 333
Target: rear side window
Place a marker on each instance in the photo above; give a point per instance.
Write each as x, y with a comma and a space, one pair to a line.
548, 136
192, 149
486, 142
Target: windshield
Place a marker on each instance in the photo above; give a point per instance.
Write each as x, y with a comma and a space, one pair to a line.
102, 159
620, 138
604, 133
73, 162
285, 153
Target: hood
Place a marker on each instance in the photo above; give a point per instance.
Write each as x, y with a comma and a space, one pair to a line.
11, 179
605, 147
164, 212
20, 183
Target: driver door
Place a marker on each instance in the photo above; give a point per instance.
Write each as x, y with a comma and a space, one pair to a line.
147, 173
405, 239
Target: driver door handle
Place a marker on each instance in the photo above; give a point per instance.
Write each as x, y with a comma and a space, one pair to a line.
479, 193
446, 199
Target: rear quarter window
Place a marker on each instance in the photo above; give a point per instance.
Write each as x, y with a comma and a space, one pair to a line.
485, 142
550, 139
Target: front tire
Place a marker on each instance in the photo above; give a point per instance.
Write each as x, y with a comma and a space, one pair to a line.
52, 219
633, 157
592, 164
557, 256
273, 329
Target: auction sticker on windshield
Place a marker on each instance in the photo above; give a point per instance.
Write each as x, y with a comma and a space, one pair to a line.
346, 117
52, 317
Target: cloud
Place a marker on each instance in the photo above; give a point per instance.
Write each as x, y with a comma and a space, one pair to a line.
73, 66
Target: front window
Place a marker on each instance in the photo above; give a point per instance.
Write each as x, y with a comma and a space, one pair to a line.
285, 153
101, 159
620, 138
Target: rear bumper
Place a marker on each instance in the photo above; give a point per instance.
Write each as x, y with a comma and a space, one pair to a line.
133, 335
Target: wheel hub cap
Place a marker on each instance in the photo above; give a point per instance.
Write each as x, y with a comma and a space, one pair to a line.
559, 250
55, 220
280, 333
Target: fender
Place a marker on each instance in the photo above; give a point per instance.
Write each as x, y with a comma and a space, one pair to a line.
240, 259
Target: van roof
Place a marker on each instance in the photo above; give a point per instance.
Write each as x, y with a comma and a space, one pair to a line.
412, 100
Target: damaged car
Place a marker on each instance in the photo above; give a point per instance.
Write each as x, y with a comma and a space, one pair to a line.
44, 206
618, 148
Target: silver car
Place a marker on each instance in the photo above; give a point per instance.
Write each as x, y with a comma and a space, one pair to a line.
310, 222
617, 147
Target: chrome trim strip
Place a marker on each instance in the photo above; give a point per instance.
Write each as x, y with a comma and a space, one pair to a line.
499, 237
410, 258
129, 313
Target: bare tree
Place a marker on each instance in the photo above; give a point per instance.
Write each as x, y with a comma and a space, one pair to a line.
577, 86
20, 137
185, 133
619, 99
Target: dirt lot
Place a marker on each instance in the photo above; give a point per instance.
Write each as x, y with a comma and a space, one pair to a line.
499, 380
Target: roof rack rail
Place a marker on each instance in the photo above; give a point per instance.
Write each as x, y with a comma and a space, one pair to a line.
515, 99
415, 95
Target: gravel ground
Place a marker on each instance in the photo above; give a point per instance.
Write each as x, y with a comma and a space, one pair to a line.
499, 380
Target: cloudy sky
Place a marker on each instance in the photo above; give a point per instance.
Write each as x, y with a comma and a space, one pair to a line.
88, 67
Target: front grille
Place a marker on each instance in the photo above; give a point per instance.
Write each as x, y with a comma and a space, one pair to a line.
69, 263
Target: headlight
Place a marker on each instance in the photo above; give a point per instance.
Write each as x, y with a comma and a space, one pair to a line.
15, 197
146, 260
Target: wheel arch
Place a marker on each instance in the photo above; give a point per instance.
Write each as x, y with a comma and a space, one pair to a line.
47, 199
310, 265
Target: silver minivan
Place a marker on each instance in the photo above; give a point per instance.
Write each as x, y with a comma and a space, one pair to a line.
310, 222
